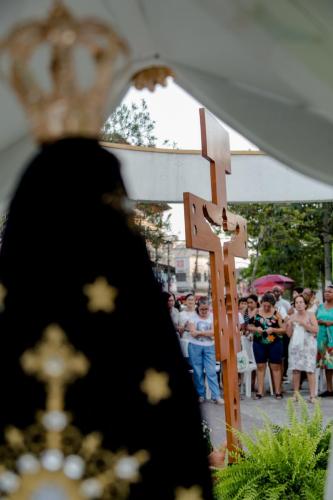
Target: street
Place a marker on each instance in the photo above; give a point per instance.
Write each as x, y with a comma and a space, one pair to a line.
251, 412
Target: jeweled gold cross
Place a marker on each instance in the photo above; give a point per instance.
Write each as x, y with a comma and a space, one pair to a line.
54, 362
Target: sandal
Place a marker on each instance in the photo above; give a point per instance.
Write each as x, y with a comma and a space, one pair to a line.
326, 394
278, 396
258, 396
312, 400
296, 397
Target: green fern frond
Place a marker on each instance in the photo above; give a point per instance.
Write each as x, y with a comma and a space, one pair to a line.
279, 462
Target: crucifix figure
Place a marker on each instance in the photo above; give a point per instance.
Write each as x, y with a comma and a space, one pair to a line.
200, 215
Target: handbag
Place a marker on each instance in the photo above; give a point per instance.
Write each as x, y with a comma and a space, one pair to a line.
243, 361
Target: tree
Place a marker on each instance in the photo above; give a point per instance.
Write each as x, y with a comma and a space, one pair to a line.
133, 125
153, 224
195, 273
291, 239
130, 125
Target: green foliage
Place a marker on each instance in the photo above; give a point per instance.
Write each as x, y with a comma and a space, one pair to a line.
130, 125
133, 125
287, 239
279, 462
154, 223
206, 431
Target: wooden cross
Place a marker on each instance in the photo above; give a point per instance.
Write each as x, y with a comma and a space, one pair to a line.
200, 214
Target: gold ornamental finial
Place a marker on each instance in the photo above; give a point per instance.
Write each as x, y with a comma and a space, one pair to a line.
148, 78
66, 109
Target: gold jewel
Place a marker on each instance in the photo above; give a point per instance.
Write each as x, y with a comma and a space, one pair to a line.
148, 78
156, 386
3, 295
66, 109
101, 295
193, 493
51, 457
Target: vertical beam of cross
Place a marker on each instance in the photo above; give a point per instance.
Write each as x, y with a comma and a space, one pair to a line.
200, 216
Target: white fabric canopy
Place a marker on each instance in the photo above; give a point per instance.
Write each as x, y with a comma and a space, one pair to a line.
156, 175
262, 67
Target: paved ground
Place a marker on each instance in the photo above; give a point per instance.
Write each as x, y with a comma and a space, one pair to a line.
250, 412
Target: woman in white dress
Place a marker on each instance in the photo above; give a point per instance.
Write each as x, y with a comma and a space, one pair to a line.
302, 327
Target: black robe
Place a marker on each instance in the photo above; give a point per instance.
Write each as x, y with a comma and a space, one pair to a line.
63, 231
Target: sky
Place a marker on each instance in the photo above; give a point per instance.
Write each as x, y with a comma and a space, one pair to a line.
177, 117
176, 114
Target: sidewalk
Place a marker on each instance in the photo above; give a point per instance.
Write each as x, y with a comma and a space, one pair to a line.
251, 412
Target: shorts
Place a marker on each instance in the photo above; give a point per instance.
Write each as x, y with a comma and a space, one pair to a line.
268, 352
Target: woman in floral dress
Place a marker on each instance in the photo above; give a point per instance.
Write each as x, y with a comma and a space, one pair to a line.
302, 327
267, 328
325, 339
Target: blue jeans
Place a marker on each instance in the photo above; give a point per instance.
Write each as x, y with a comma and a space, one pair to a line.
203, 361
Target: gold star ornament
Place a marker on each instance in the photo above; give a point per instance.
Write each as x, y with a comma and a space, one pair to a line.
193, 493
156, 386
101, 296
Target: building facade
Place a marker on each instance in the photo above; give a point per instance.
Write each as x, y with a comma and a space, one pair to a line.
192, 269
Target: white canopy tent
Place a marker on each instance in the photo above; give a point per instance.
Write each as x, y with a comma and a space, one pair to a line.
262, 67
153, 174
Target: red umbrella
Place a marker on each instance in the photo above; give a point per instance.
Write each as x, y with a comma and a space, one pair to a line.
266, 283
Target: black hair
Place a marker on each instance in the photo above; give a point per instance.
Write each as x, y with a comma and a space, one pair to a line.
298, 289
165, 297
202, 301
189, 295
177, 303
242, 299
268, 297
253, 297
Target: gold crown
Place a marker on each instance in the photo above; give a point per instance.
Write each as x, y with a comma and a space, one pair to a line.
67, 109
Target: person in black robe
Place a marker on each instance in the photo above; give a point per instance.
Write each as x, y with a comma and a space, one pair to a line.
67, 230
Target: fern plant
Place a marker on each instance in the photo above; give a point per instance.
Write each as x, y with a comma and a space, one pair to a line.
279, 462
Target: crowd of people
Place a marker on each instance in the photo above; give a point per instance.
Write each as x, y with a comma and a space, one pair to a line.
282, 336
297, 336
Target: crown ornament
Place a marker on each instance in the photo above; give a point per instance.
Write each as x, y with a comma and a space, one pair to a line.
66, 109
149, 78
